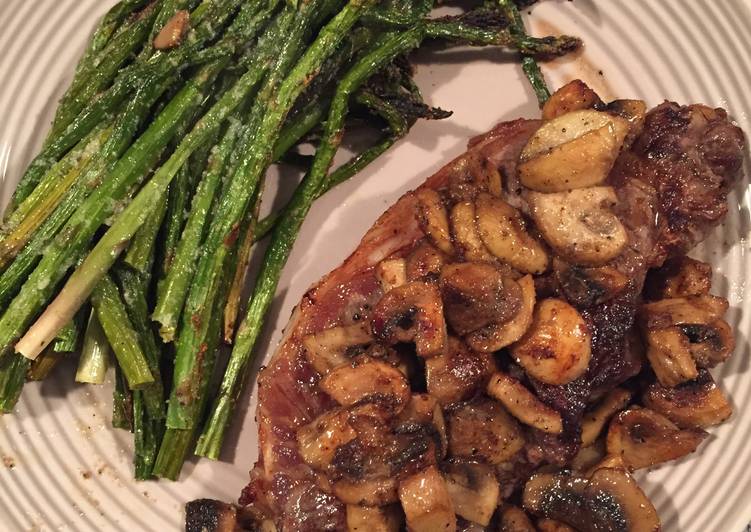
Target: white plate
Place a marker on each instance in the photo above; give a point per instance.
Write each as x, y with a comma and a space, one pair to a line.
64, 468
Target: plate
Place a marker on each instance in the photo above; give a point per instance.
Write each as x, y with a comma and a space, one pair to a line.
64, 468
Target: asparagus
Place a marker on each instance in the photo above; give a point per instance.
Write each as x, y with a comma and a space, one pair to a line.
383, 52
122, 403
189, 364
120, 334
67, 338
529, 65
44, 364
95, 353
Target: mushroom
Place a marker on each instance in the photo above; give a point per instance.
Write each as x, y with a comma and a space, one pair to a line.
586, 287
679, 277
424, 409
470, 174
523, 404
412, 312
683, 333
372, 491
473, 489
425, 262
595, 419
373, 518
496, 336
695, 404
466, 237
433, 219
514, 519
580, 225
551, 525
573, 150
573, 96
644, 438
457, 374
632, 110
588, 457
391, 273
327, 349
367, 380
503, 231
609, 500
318, 441
476, 294
483, 430
557, 346
426, 502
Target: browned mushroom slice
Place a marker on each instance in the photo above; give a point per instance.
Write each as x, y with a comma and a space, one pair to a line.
499, 335
679, 277
483, 430
318, 441
669, 355
391, 273
573, 96
609, 500
425, 262
373, 518
433, 219
551, 525
557, 346
367, 380
412, 312
473, 489
504, 233
644, 438
580, 224
523, 404
514, 519
457, 374
375, 491
476, 294
586, 287
573, 150
695, 404
330, 348
597, 418
632, 110
426, 502
424, 409
466, 237
589, 456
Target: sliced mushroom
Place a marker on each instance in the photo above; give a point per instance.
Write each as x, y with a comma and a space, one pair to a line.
476, 294
466, 237
609, 500
586, 287
551, 525
573, 96
557, 347
596, 419
373, 518
433, 219
589, 456
318, 441
669, 354
504, 233
514, 519
425, 262
483, 430
426, 502
375, 491
473, 489
695, 404
644, 438
580, 225
571, 151
499, 335
424, 409
632, 110
457, 374
412, 312
391, 273
679, 277
367, 380
327, 349
523, 404
610, 461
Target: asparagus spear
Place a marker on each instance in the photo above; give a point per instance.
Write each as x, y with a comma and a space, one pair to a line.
122, 403
95, 353
44, 364
67, 339
383, 52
